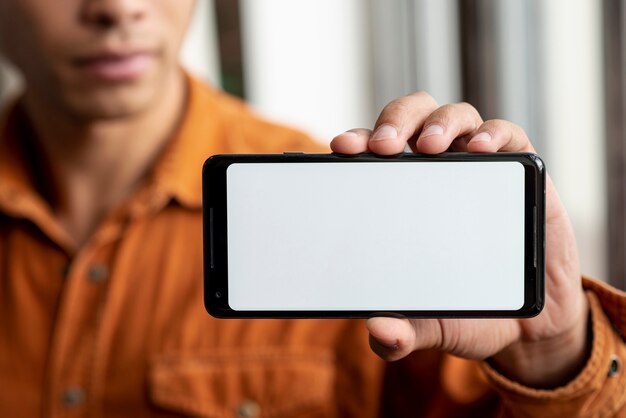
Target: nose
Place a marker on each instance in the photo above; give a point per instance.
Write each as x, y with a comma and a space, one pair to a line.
105, 14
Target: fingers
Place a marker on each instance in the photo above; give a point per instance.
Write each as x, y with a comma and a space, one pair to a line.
456, 127
399, 121
499, 135
393, 339
460, 128
447, 124
396, 125
353, 141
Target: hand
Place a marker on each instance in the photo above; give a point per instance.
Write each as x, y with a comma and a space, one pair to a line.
545, 351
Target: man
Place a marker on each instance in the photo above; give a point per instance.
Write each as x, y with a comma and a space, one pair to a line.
100, 253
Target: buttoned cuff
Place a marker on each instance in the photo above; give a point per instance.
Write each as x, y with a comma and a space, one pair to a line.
599, 390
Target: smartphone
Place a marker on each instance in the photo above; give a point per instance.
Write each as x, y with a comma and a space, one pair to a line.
333, 236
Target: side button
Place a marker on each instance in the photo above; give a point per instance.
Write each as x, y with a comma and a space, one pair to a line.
211, 258
73, 396
535, 236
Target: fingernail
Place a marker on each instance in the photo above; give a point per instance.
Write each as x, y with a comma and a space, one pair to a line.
481, 137
384, 133
392, 346
432, 130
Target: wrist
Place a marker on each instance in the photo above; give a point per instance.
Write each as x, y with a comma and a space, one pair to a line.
551, 362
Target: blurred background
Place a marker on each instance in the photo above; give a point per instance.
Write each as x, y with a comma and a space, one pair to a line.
557, 68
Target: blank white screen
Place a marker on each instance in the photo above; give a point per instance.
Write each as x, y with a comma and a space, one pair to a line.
383, 236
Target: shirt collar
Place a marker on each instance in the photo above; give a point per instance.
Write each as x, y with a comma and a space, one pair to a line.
176, 175
18, 197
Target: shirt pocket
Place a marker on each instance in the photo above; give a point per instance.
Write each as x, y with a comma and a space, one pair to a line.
245, 383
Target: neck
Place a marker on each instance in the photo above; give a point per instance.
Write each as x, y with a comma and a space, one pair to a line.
92, 166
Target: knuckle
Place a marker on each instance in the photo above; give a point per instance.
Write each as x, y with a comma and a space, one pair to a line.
455, 110
446, 110
395, 107
424, 97
417, 102
495, 126
444, 115
500, 124
468, 107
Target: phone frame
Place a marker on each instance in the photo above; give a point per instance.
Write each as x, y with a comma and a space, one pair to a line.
215, 234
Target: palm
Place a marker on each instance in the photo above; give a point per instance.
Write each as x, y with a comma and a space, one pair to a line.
481, 338
554, 338
563, 287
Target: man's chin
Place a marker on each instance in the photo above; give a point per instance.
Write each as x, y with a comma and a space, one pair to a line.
94, 112
107, 105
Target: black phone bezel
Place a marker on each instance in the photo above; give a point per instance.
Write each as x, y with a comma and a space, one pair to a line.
215, 233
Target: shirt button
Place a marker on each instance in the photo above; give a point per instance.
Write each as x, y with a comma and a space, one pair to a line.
73, 396
97, 273
248, 409
65, 270
614, 366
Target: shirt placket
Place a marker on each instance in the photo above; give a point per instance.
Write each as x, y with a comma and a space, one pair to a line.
72, 371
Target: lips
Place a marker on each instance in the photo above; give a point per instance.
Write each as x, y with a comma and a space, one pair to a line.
115, 66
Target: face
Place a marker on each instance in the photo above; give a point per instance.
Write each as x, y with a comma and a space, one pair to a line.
95, 59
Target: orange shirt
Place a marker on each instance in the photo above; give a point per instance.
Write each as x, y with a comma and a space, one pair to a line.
117, 327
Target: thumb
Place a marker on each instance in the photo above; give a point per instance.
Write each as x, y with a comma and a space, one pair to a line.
394, 338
